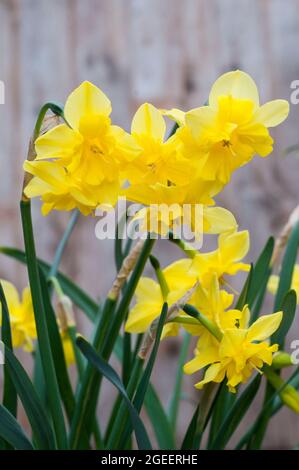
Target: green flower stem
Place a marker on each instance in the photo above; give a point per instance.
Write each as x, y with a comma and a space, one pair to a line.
160, 277
175, 400
55, 108
188, 249
41, 327
62, 244
208, 324
104, 341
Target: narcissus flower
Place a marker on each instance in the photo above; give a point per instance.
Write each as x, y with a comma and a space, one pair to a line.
232, 247
241, 351
172, 206
86, 154
62, 190
157, 159
227, 133
274, 281
21, 316
149, 298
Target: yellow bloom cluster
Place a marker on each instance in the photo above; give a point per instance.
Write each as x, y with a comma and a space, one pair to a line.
22, 321
86, 161
241, 349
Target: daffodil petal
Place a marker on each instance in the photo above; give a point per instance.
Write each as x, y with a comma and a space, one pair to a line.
272, 113
238, 84
218, 220
264, 327
148, 120
87, 99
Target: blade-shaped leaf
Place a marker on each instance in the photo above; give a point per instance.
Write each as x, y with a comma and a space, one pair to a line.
191, 441
107, 371
11, 431
64, 383
154, 410
42, 431
288, 307
78, 296
41, 326
261, 270
287, 267
145, 379
236, 414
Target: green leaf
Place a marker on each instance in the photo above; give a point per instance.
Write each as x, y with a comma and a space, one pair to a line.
42, 327
243, 297
159, 420
176, 396
261, 271
191, 439
63, 380
236, 414
9, 392
63, 242
107, 371
11, 431
42, 431
154, 410
145, 379
88, 393
287, 267
78, 296
288, 307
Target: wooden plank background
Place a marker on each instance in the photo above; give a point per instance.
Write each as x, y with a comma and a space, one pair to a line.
168, 52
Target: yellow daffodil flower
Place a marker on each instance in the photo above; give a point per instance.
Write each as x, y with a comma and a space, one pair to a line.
232, 247
227, 133
149, 299
157, 160
172, 206
274, 281
84, 157
241, 350
21, 316
62, 190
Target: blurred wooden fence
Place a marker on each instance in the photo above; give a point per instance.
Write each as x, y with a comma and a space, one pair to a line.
165, 51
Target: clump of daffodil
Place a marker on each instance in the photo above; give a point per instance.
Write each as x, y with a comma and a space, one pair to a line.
78, 163
21, 316
231, 129
274, 281
240, 351
232, 247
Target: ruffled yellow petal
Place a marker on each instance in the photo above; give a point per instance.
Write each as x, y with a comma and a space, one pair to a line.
202, 359
211, 375
59, 142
